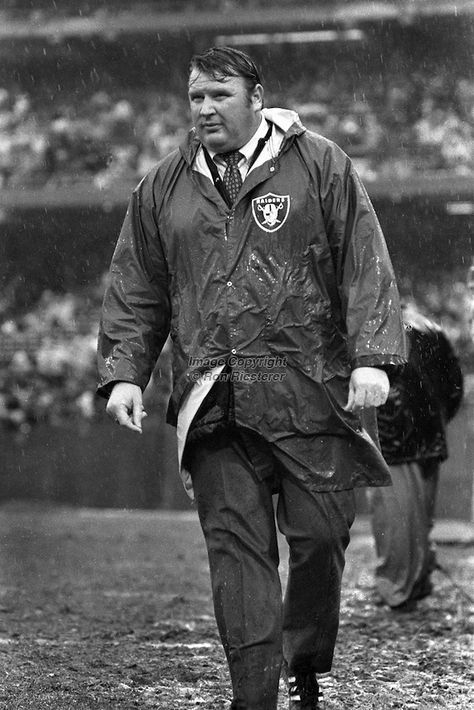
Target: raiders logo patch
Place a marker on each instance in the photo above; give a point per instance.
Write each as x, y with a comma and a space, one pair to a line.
270, 211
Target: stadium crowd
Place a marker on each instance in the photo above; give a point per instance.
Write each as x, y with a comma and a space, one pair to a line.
48, 362
408, 123
47, 366
47, 355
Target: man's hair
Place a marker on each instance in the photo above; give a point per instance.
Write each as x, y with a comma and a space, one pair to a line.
221, 62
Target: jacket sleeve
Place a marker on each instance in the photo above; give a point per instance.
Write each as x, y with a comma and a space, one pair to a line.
135, 315
365, 277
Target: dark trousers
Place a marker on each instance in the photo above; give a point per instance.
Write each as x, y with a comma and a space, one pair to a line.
234, 479
402, 520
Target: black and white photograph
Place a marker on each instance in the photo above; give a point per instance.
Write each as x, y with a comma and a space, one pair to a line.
236, 355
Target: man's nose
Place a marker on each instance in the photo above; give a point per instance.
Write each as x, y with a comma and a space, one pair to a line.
207, 107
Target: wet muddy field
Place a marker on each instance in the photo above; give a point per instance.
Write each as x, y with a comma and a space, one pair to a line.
111, 610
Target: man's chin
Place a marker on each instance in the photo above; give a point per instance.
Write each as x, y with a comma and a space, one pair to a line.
214, 146
213, 140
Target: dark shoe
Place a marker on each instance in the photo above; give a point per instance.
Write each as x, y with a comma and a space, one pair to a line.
405, 607
304, 692
423, 589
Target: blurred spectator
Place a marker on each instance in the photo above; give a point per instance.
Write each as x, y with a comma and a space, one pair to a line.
464, 93
423, 398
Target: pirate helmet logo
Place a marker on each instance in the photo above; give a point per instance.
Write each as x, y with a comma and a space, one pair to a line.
270, 211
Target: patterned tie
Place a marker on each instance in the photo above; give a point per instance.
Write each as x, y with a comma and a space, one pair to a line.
232, 177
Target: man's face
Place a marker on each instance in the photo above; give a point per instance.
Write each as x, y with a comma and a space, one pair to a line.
223, 113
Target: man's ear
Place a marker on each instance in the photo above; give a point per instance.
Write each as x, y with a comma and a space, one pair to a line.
257, 97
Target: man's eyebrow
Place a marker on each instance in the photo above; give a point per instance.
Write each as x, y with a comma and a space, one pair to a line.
221, 89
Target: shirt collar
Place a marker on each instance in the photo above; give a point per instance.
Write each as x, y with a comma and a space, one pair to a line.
249, 148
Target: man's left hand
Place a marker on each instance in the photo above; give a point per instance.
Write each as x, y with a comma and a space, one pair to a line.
368, 387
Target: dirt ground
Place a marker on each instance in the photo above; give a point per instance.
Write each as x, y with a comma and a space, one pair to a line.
111, 610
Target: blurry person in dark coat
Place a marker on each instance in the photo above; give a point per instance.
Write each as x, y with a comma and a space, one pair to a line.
423, 397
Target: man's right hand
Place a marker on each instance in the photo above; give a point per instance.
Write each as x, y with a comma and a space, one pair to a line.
125, 406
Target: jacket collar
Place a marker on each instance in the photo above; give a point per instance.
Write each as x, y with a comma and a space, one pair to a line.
285, 120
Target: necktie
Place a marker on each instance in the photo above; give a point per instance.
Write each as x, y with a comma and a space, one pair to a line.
232, 177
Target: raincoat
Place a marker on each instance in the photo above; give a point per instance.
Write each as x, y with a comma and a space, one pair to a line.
292, 286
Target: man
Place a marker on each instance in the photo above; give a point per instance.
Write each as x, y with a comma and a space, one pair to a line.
424, 396
257, 248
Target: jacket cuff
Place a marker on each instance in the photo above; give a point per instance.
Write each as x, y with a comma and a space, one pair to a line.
105, 390
391, 364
